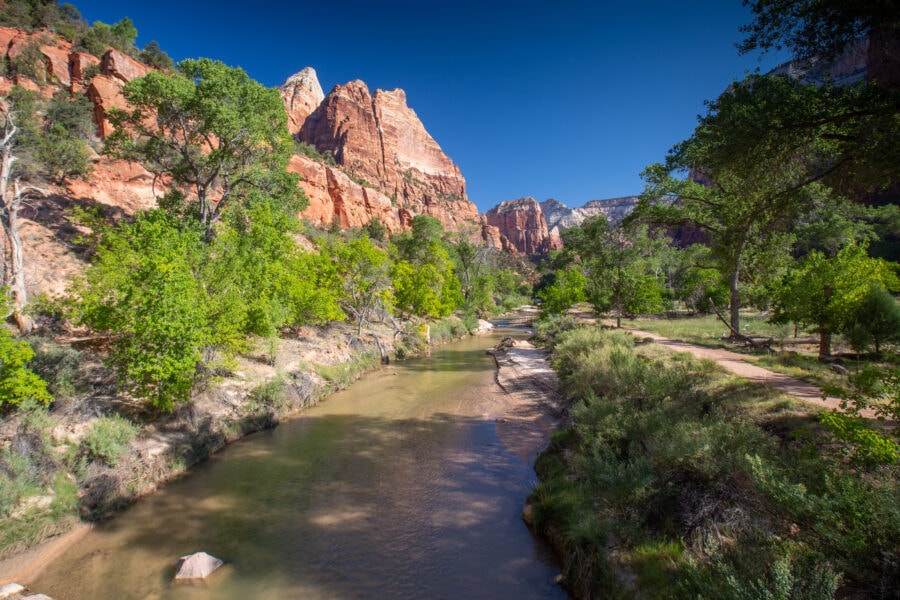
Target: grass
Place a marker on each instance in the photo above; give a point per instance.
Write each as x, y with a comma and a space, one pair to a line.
678, 480
708, 330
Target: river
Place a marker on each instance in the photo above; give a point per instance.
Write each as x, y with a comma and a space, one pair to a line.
397, 487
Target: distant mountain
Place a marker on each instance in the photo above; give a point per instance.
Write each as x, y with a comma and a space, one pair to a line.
534, 228
561, 217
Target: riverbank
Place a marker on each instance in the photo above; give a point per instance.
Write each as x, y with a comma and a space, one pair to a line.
674, 478
261, 390
399, 480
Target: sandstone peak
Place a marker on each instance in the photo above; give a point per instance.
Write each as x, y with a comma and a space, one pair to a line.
522, 223
301, 93
380, 139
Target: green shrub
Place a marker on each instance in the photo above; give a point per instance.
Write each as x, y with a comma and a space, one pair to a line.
108, 439
18, 383
59, 366
698, 500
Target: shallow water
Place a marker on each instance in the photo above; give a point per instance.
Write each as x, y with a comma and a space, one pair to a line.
395, 488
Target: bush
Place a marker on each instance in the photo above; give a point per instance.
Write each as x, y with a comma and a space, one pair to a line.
660, 476
18, 383
108, 438
59, 366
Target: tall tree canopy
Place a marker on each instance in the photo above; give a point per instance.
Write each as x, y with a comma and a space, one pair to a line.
216, 134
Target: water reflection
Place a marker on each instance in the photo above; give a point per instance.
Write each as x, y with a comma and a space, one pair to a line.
397, 488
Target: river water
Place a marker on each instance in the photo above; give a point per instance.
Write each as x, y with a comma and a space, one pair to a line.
398, 487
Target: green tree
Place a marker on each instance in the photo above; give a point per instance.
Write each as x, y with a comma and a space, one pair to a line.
817, 29
144, 291
568, 288
875, 321
424, 279
156, 57
120, 35
750, 184
824, 293
213, 131
618, 267
17, 382
365, 272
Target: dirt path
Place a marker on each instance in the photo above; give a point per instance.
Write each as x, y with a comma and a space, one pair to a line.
737, 364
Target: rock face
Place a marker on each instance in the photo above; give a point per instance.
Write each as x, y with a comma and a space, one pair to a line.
522, 223
525, 226
379, 139
560, 217
301, 94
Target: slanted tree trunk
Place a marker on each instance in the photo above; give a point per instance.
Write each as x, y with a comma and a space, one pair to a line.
11, 198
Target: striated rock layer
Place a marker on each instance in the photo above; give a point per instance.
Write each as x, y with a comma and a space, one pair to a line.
522, 223
381, 141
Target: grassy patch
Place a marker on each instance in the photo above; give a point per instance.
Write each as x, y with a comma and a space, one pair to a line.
708, 330
342, 374
677, 480
108, 438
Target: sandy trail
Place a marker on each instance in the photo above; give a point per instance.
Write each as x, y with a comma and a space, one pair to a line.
737, 364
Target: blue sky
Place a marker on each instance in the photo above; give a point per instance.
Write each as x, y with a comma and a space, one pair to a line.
568, 99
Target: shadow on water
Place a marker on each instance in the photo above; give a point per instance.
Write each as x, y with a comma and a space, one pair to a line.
334, 505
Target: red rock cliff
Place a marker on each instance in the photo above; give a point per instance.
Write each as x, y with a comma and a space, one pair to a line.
378, 138
523, 224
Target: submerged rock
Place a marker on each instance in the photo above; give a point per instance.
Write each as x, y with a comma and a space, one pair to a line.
196, 566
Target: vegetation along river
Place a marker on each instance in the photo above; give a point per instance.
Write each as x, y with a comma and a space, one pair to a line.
398, 487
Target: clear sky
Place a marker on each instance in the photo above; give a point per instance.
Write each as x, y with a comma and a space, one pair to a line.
568, 99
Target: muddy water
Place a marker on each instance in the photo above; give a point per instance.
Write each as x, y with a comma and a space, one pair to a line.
396, 488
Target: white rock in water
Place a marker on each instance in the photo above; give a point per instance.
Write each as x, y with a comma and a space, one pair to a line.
10, 589
196, 566
37, 597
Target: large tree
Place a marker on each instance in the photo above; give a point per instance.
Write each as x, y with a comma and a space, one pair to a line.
215, 134
826, 293
750, 179
618, 266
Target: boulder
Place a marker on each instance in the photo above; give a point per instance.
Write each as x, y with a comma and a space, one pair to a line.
78, 65
198, 565
105, 92
121, 66
10, 589
57, 60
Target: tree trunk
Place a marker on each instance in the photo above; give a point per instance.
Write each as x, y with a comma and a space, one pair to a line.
17, 288
824, 345
735, 316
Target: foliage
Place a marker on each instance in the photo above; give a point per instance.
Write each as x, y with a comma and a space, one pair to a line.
108, 438
873, 389
156, 57
752, 178
53, 146
18, 383
143, 292
58, 365
365, 273
567, 289
208, 127
120, 35
697, 280
825, 293
310, 151
36, 14
424, 279
619, 265
815, 29
666, 462
875, 320
29, 62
